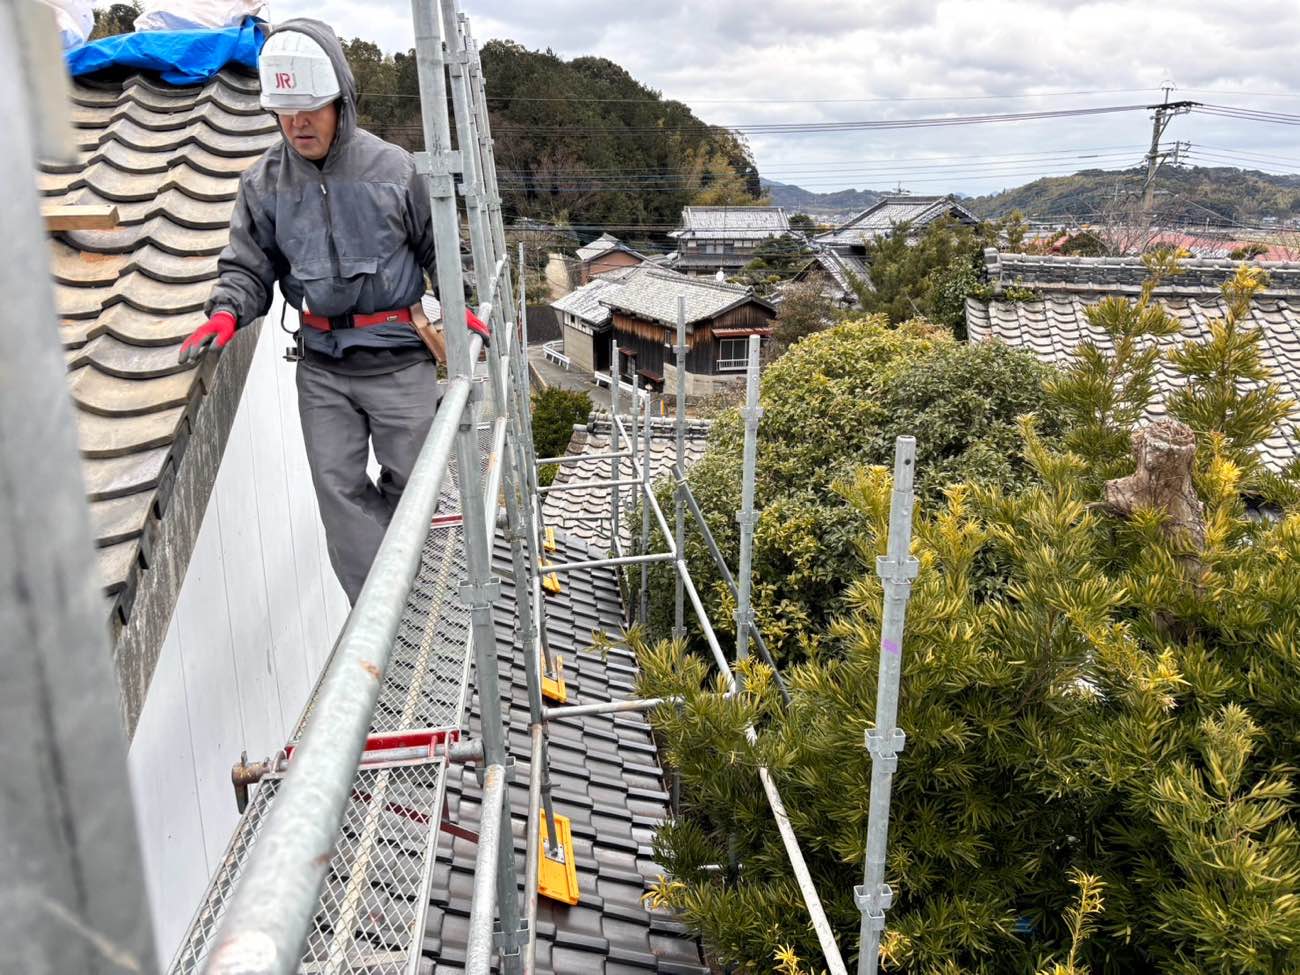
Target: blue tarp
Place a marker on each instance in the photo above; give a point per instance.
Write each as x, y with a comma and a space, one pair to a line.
182, 57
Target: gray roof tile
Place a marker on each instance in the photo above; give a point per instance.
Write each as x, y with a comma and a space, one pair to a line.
1055, 325
603, 778
881, 217
584, 513
169, 158
653, 294
732, 223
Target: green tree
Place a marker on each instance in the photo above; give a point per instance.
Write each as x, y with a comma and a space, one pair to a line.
555, 412
775, 261
802, 223
116, 18
804, 309
1087, 707
930, 273
835, 401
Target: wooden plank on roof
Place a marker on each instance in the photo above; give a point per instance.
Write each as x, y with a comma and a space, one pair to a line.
80, 217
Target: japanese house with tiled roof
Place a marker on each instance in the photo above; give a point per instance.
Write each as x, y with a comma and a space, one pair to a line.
713, 239
889, 213
719, 320
1054, 323
604, 254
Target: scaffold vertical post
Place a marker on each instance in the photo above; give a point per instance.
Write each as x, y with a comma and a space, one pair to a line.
615, 370
633, 449
752, 413
71, 877
645, 512
679, 502
896, 569
479, 589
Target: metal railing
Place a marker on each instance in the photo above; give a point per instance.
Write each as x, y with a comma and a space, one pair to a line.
553, 352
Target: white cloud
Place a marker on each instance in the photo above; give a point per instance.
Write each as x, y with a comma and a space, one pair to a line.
796, 61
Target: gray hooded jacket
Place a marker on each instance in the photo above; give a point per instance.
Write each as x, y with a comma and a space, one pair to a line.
350, 235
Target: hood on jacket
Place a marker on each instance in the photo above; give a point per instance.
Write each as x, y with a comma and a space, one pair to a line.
324, 35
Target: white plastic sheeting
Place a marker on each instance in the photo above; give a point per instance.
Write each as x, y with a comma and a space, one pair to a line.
196, 14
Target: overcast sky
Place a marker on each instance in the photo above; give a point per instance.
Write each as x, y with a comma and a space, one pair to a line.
765, 61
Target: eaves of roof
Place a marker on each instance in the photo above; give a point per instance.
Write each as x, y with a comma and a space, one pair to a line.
169, 159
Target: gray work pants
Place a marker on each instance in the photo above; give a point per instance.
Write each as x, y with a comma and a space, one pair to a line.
342, 416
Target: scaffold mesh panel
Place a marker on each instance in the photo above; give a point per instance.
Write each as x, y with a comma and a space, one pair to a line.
371, 912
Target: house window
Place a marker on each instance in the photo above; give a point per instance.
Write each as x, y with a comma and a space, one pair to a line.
733, 354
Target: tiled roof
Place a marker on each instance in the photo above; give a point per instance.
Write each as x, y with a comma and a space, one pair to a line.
585, 302
653, 295
1125, 275
578, 513
169, 159
838, 267
1054, 326
606, 778
603, 245
732, 223
881, 217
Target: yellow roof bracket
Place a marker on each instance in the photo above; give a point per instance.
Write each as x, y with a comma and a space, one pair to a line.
551, 580
557, 878
548, 543
553, 688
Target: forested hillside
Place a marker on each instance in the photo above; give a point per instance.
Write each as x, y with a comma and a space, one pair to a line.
579, 141
796, 199
1195, 193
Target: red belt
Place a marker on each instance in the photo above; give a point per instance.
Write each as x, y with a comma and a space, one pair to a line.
329, 323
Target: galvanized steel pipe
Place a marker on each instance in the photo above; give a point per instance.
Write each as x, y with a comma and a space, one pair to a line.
478, 949
275, 900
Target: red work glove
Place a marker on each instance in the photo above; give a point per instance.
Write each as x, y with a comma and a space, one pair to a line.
217, 330
476, 324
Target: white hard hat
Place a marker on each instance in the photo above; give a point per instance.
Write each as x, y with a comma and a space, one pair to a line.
297, 75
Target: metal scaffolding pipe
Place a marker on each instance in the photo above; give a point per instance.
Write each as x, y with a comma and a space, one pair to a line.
679, 535
71, 877
574, 458
755, 633
821, 924
752, 413
533, 843
478, 949
272, 907
611, 562
645, 514
896, 569
581, 485
606, 707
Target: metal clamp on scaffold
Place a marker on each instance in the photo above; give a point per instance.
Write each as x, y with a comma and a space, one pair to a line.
475, 594
873, 908
897, 571
885, 750
440, 167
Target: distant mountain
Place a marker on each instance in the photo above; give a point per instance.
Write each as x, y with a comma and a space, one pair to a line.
798, 200
1214, 195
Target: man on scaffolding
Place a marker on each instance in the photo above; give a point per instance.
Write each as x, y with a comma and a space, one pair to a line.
341, 221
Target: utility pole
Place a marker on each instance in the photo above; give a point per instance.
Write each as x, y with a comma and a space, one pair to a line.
1164, 113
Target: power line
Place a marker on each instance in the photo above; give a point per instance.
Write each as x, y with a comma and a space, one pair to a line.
664, 100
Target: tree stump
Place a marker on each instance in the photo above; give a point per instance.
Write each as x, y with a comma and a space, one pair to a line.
1165, 451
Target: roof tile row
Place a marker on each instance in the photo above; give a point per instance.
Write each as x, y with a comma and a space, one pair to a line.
169, 160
